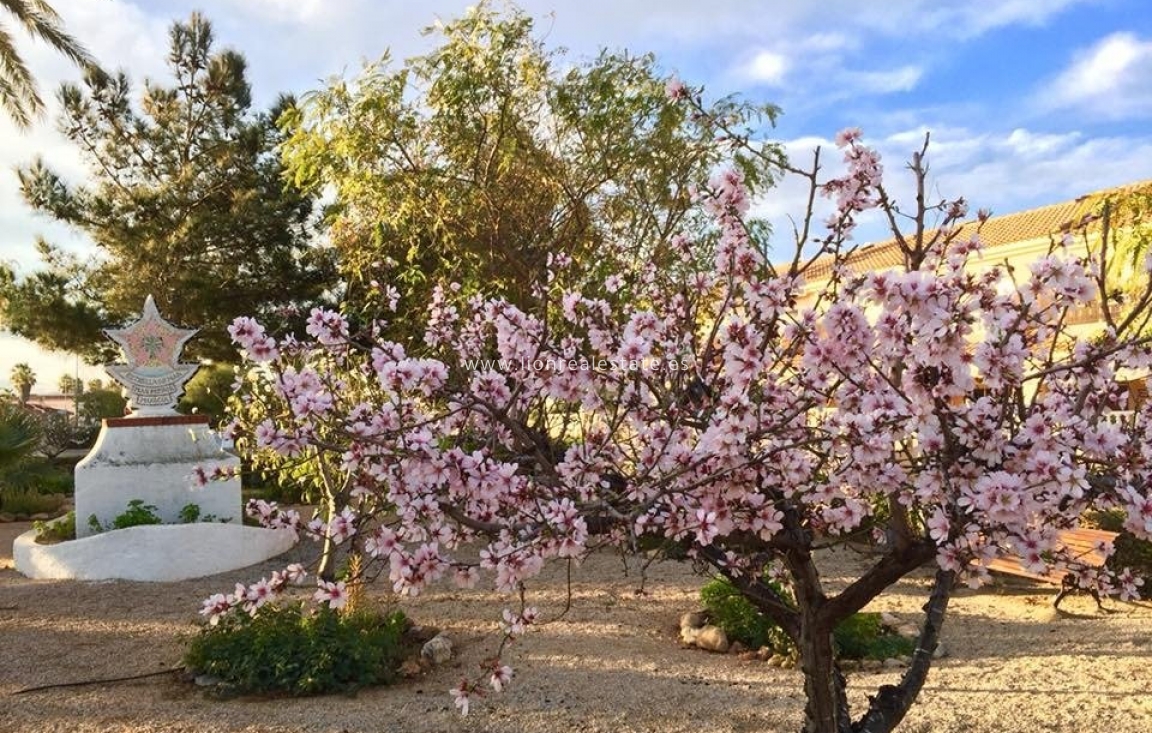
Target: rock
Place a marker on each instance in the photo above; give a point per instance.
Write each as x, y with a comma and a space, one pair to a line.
6, 517
893, 663
748, 656
904, 660
871, 664
688, 635
437, 650
764, 653
693, 620
940, 652
713, 639
890, 620
908, 630
737, 648
42, 517
411, 668
207, 680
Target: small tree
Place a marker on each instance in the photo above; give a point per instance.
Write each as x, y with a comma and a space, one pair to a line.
966, 421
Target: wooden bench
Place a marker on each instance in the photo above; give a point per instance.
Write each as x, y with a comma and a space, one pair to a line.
1080, 544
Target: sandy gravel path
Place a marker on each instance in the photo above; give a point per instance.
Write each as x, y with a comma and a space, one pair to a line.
612, 664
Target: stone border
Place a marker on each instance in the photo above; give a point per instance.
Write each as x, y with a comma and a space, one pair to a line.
156, 553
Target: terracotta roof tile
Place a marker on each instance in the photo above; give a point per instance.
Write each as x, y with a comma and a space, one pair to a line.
997, 231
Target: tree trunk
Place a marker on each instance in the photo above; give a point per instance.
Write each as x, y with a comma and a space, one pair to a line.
892, 702
824, 685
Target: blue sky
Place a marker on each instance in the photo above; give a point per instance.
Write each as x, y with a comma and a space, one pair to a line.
1028, 101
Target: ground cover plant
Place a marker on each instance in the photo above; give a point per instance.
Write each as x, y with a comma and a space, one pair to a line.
288, 648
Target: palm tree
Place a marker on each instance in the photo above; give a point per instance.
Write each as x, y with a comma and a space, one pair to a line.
23, 377
18, 94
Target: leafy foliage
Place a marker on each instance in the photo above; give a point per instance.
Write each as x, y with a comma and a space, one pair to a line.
282, 649
24, 501
19, 97
23, 475
863, 636
138, 513
186, 203
484, 159
1129, 551
97, 404
59, 530
208, 391
23, 379
860, 636
740, 620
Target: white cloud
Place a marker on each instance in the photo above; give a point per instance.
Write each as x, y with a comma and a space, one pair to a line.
766, 67
1107, 81
902, 79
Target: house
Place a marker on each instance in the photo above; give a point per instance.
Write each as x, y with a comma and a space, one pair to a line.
1017, 240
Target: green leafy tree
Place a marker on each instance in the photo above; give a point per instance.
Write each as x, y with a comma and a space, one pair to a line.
479, 161
1124, 221
187, 203
70, 385
23, 379
19, 97
98, 404
208, 391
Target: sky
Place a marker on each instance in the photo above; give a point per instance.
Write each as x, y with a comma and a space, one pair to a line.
1028, 102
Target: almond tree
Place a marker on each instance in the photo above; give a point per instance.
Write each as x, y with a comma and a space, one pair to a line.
746, 408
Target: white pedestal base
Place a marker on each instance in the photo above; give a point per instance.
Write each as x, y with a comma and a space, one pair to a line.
153, 459
159, 552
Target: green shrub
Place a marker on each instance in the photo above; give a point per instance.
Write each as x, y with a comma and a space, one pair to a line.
136, 514
59, 530
1130, 551
190, 513
860, 636
740, 620
863, 636
15, 500
282, 649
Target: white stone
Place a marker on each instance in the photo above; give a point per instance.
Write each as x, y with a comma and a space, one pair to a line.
154, 463
437, 650
688, 635
693, 620
713, 639
159, 552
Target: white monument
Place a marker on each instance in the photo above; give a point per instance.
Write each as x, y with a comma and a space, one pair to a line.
153, 455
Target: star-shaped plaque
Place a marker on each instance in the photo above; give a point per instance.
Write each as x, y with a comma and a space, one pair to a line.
154, 375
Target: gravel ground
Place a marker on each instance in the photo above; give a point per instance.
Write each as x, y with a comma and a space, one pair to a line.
611, 664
